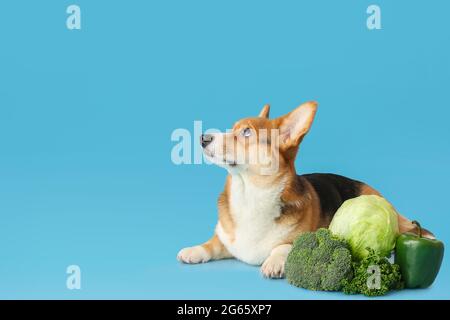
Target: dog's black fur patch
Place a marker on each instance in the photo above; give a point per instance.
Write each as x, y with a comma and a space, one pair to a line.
333, 190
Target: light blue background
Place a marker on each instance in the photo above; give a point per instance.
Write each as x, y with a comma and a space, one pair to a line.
86, 118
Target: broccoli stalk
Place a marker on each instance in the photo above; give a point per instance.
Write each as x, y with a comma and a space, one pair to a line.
319, 261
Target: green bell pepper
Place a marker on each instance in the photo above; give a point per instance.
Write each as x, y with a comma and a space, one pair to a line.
419, 258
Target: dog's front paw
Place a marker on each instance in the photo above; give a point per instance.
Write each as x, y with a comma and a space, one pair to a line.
195, 254
273, 267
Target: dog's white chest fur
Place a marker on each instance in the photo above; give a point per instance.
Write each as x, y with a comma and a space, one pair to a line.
254, 211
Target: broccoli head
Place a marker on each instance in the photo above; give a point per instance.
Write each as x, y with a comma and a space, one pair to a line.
319, 261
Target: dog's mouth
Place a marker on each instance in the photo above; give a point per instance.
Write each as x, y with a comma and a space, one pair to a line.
230, 163
219, 160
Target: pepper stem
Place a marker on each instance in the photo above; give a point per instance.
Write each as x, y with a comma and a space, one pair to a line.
418, 227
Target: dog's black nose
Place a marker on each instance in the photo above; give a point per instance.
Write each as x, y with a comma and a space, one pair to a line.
206, 139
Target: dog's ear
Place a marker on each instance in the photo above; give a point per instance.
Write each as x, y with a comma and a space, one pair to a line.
265, 112
296, 124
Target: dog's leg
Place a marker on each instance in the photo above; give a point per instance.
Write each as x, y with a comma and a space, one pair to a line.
406, 225
213, 249
273, 267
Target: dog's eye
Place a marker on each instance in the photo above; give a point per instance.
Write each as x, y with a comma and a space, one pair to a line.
247, 132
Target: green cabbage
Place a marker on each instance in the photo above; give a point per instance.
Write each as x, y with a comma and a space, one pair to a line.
367, 221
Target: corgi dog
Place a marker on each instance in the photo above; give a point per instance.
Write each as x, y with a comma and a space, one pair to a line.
261, 211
